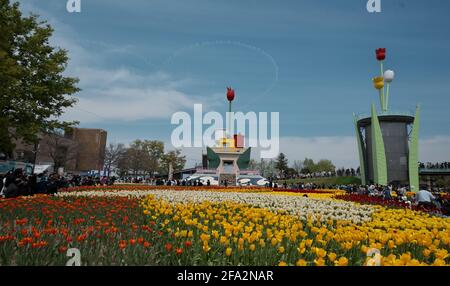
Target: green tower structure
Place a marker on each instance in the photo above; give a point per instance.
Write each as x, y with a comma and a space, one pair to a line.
378, 151
388, 141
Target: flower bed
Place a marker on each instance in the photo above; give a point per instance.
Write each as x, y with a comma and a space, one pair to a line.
297, 205
230, 233
39, 231
198, 227
136, 187
370, 200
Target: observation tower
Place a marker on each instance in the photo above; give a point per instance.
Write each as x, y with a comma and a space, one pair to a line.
388, 140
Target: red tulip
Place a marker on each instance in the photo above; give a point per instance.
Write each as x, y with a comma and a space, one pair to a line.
381, 54
230, 94
122, 244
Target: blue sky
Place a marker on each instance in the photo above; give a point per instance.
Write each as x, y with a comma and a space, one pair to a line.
312, 61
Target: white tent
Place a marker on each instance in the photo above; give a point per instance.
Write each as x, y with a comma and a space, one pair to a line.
38, 169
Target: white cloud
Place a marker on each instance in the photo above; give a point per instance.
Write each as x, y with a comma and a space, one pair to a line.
435, 149
116, 93
126, 104
342, 151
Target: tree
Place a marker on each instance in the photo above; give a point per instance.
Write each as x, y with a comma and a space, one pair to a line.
142, 157
33, 90
113, 154
291, 172
266, 168
154, 154
124, 164
252, 164
297, 166
281, 164
324, 166
308, 166
172, 162
60, 149
135, 159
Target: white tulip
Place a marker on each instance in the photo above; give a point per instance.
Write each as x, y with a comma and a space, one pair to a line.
389, 76
295, 205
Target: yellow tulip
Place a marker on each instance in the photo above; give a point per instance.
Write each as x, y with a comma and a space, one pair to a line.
274, 241
301, 262
441, 253
378, 82
439, 262
228, 251
413, 262
262, 243
332, 256
405, 257
343, 261
319, 262
301, 250
391, 244
206, 248
320, 252
426, 252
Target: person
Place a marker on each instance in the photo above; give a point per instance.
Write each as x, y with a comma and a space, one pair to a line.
208, 183
387, 193
52, 184
401, 194
41, 184
2, 185
371, 190
11, 184
424, 198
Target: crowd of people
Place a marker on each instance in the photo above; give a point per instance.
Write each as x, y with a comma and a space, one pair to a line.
16, 183
431, 198
164, 182
428, 198
441, 165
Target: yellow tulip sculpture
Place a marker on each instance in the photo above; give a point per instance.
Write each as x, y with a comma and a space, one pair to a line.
378, 82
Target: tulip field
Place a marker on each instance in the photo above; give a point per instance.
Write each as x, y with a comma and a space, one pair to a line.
149, 225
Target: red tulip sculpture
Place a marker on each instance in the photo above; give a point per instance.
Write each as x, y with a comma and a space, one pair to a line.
381, 54
385, 77
230, 98
230, 94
